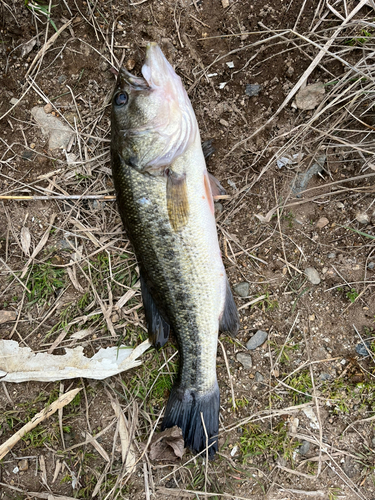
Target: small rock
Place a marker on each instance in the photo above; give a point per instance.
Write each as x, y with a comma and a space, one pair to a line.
59, 135
290, 71
245, 360
14, 101
23, 464
371, 265
224, 122
242, 289
362, 218
312, 275
310, 96
324, 376
259, 377
331, 255
257, 340
373, 441
301, 181
225, 3
363, 348
48, 108
322, 222
28, 155
62, 79
63, 245
130, 64
340, 205
252, 89
304, 448
103, 66
218, 208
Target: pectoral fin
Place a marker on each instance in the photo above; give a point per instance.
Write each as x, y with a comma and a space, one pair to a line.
177, 200
216, 188
158, 328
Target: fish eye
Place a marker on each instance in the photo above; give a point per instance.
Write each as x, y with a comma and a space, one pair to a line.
121, 99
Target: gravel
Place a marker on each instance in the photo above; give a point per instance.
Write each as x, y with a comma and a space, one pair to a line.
245, 360
257, 340
242, 289
312, 275
361, 348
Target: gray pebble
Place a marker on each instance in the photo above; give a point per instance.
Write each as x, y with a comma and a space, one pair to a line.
331, 255
373, 441
361, 348
28, 155
245, 360
252, 89
218, 208
304, 448
371, 265
256, 340
103, 66
63, 245
259, 377
362, 218
242, 289
61, 79
312, 275
324, 376
14, 101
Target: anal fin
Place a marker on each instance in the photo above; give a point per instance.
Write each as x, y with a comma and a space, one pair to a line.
158, 328
229, 321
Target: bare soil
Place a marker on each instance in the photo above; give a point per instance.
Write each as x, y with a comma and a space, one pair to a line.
310, 358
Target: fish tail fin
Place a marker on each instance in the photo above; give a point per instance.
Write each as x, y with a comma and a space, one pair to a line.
184, 409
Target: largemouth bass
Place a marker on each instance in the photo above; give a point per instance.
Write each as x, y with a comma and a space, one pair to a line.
165, 199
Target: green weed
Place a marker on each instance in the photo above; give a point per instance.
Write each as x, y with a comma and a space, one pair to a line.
37, 7
257, 442
44, 281
266, 304
301, 383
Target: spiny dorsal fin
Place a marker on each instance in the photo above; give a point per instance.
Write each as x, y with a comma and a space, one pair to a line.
177, 200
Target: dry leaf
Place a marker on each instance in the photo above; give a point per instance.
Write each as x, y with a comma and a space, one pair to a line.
25, 240
168, 445
21, 364
6, 316
265, 219
322, 222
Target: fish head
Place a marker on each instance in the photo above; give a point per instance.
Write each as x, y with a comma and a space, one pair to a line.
153, 121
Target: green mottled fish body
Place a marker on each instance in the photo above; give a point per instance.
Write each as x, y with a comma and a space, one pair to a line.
165, 201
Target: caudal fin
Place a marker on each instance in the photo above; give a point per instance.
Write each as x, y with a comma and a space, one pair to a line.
184, 409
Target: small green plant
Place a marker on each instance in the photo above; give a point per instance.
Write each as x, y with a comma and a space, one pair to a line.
44, 280
334, 493
255, 441
266, 304
37, 8
301, 385
362, 39
352, 294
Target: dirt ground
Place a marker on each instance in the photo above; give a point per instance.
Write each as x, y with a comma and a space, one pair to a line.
302, 426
